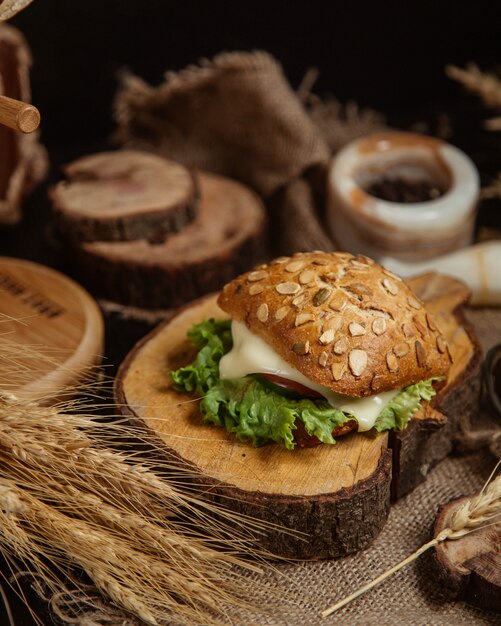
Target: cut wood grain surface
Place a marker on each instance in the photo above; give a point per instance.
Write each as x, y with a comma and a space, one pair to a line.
337, 495
56, 325
18, 115
470, 567
268, 469
124, 195
226, 238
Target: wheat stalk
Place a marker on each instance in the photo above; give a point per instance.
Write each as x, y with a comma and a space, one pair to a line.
340, 124
472, 514
494, 188
487, 86
484, 84
9, 8
69, 499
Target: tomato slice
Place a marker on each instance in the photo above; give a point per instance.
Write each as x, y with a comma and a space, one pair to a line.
290, 385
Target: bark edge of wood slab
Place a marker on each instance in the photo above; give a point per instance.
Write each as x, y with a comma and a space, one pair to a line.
329, 516
226, 238
470, 567
429, 437
337, 496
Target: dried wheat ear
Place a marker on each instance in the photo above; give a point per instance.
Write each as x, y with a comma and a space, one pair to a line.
68, 497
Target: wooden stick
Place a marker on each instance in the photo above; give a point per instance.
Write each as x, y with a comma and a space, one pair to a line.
18, 115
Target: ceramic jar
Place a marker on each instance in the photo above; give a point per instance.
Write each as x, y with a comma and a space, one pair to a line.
402, 195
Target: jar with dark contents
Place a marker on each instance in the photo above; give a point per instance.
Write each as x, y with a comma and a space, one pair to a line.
402, 195
404, 190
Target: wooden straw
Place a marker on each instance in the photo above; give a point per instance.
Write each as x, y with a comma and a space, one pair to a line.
18, 115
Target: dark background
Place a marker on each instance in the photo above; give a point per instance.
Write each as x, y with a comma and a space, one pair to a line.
389, 56
386, 55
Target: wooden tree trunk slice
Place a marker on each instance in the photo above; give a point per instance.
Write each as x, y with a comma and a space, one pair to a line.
225, 239
55, 325
124, 195
293, 489
338, 497
470, 567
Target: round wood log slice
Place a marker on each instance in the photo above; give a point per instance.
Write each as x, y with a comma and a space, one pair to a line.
336, 497
225, 239
124, 195
470, 566
55, 326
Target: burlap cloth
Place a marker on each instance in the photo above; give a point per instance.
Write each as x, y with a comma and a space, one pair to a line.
237, 115
412, 597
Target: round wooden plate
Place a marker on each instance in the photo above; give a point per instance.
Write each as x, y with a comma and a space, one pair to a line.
336, 497
56, 324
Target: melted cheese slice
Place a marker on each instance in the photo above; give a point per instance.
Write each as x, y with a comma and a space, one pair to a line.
251, 355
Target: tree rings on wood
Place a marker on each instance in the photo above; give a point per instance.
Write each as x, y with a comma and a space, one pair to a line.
225, 239
334, 499
320, 502
124, 195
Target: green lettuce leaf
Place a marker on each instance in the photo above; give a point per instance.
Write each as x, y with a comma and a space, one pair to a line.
397, 413
213, 339
251, 411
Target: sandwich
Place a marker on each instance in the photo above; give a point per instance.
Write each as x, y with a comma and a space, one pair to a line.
317, 345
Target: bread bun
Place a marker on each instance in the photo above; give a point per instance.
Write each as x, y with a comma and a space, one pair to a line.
343, 321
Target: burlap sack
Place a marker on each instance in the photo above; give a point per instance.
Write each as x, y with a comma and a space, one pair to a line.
235, 115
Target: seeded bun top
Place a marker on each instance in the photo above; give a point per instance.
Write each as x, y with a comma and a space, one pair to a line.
345, 322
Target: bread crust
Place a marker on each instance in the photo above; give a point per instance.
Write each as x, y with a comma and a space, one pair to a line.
342, 320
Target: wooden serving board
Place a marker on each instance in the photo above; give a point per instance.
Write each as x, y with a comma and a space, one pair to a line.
338, 496
55, 325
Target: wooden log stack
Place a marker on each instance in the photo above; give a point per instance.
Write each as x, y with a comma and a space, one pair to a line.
145, 232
